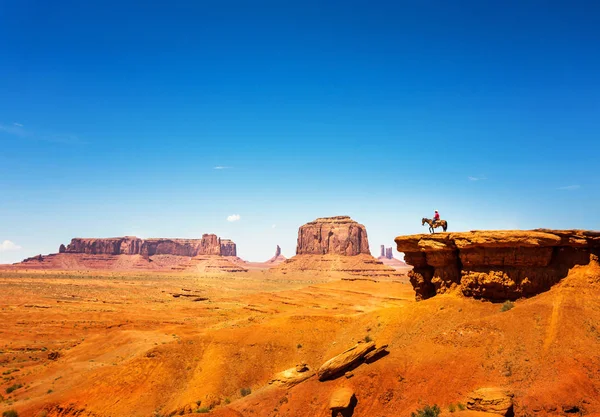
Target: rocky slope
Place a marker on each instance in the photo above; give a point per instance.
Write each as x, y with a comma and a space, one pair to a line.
495, 265
338, 235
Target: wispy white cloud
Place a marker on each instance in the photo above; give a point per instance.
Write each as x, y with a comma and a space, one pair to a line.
233, 218
7, 245
570, 187
221, 167
17, 129
480, 178
14, 130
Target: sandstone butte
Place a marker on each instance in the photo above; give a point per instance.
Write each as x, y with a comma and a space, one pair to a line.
336, 244
339, 235
495, 265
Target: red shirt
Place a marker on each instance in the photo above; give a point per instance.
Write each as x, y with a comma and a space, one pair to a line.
436, 216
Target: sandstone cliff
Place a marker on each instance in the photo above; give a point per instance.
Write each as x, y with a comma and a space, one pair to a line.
495, 265
338, 235
210, 244
228, 248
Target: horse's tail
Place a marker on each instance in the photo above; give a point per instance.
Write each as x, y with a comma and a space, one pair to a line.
445, 226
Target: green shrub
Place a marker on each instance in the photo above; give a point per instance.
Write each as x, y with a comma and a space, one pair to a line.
203, 410
427, 411
227, 400
10, 413
462, 407
507, 305
13, 388
245, 391
368, 338
452, 408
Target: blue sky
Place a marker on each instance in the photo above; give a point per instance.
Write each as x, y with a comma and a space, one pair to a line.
114, 116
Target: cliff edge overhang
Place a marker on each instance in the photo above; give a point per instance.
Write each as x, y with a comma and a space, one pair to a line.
495, 265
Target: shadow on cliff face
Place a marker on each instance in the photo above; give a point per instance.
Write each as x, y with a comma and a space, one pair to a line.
513, 282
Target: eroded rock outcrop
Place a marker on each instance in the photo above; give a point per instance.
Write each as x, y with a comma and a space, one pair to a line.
292, 376
350, 357
338, 235
495, 265
494, 400
228, 248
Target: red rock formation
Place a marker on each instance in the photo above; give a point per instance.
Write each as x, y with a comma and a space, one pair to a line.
36, 258
332, 235
278, 258
336, 245
495, 265
127, 245
209, 245
228, 248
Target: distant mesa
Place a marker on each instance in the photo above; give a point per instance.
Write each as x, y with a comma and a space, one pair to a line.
495, 265
338, 245
387, 258
210, 253
130, 245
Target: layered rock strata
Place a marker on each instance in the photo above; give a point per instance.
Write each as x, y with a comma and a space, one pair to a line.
228, 248
210, 244
495, 265
338, 235
336, 245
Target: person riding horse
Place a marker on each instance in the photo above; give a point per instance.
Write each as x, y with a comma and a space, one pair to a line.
435, 222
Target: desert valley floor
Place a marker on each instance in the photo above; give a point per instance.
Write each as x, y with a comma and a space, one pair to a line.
102, 343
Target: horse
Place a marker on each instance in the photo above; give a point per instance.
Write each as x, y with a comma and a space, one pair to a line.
434, 224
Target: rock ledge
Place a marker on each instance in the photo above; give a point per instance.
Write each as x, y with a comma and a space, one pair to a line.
495, 265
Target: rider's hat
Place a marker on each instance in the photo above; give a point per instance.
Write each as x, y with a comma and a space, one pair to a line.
436, 211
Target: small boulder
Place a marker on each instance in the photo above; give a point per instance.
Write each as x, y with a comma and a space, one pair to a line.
491, 400
341, 399
301, 367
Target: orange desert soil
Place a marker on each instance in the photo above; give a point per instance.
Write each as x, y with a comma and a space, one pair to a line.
142, 343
